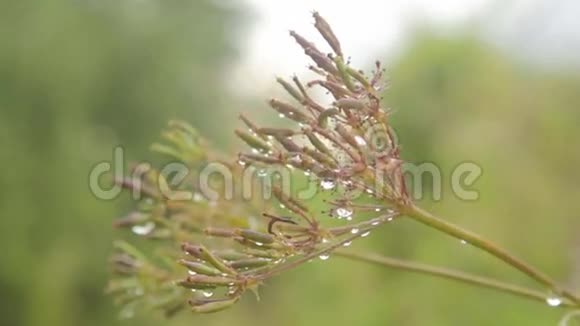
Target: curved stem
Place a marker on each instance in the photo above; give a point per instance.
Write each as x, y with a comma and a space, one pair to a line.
450, 275
475, 240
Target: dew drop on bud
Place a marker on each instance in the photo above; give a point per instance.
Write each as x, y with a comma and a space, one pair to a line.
354, 230
324, 256
327, 184
359, 140
343, 212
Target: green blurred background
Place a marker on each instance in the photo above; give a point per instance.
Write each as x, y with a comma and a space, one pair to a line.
80, 77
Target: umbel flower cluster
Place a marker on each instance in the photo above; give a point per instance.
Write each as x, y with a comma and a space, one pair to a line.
203, 251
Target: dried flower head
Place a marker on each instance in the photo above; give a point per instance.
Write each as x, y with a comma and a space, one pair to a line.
218, 248
215, 239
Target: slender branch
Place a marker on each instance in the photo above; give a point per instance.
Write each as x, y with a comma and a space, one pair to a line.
450, 275
475, 240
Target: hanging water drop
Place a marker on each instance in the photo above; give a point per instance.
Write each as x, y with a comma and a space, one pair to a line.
327, 184
366, 234
144, 229
324, 256
207, 294
191, 273
281, 115
343, 212
262, 173
378, 209
242, 162
553, 301
463, 242
375, 223
354, 230
346, 244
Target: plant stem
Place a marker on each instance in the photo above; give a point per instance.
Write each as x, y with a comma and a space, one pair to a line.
451, 275
477, 241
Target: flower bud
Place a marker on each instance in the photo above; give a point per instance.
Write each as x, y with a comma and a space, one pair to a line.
210, 306
199, 268
253, 141
324, 28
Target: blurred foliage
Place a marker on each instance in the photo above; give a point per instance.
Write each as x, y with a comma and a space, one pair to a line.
76, 79
79, 77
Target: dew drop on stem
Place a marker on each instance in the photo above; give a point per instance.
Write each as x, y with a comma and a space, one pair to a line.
553, 301
327, 184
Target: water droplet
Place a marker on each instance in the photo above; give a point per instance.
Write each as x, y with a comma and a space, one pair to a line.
369, 191
375, 223
324, 256
343, 212
191, 273
390, 219
262, 173
143, 229
366, 234
242, 162
553, 301
463, 242
281, 115
197, 197
207, 294
378, 209
325, 240
282, 206
327, 184
259, 244
354, 230
359, 140
306, 173
346, 244
255, 151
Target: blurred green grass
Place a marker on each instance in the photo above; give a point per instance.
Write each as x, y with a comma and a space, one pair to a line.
77, 78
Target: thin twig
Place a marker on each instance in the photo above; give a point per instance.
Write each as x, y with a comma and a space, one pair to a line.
475, 240
451, 275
